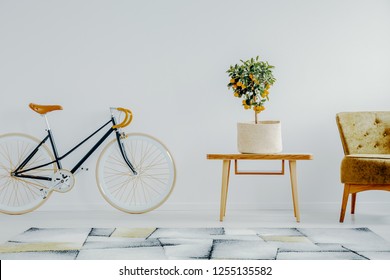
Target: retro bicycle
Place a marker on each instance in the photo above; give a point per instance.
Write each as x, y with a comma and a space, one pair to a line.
135, 172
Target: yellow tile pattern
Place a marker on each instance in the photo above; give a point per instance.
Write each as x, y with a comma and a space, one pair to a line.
133, 232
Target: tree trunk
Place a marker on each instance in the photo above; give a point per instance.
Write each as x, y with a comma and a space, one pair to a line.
256, 121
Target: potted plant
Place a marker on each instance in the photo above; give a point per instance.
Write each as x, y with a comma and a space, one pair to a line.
251, 81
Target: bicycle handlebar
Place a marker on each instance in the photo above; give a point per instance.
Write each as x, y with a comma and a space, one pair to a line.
127, 120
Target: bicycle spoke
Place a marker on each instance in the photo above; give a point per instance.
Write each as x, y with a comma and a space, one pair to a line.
18, 194
144, 191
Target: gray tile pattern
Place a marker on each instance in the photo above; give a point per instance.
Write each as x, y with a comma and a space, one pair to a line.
197, 243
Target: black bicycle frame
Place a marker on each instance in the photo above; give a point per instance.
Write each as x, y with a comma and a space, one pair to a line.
21, 173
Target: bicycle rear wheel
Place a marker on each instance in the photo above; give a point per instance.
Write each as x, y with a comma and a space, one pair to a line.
136, 193
21, 195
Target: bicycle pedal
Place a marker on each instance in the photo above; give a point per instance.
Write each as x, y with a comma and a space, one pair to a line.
81, 169
44, 193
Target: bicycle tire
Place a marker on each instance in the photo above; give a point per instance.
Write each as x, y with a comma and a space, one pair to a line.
143, 192
22, 195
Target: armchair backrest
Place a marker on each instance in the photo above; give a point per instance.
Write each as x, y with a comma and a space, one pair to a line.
364, 132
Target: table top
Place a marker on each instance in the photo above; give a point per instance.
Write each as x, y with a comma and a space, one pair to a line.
279, 156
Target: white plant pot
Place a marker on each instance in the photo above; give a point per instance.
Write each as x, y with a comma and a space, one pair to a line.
265, 137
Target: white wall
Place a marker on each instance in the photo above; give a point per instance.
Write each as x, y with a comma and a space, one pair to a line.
167, 61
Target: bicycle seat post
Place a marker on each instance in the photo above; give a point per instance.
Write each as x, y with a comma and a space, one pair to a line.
47, 122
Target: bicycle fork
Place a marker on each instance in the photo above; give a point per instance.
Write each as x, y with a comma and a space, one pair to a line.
119, 138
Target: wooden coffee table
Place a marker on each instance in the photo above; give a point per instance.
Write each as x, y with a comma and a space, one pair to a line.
227, 158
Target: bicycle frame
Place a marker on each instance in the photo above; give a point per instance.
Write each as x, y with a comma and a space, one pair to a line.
21, 173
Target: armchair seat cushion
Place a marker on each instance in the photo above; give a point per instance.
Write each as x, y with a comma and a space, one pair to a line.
371, 169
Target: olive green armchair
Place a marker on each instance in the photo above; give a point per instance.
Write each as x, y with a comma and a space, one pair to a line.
365, 137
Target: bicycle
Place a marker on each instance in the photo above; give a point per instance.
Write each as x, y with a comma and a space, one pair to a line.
135, 172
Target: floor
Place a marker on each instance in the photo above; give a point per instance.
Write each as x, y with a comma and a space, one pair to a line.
377, 221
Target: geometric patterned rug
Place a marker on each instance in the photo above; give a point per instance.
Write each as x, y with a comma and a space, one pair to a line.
196, 243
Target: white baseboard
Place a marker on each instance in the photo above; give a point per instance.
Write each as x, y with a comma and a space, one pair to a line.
327, 206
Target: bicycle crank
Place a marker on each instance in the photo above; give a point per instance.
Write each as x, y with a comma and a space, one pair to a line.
62, 181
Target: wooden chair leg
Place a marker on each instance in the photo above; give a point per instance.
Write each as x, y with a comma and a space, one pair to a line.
353, 203
344, 202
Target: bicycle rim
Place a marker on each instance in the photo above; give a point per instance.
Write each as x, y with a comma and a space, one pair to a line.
148, 189
22, 195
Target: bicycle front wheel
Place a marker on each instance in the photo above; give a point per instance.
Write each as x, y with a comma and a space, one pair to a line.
155, 179
21, 195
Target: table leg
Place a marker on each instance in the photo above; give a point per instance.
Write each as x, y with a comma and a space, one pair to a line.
227, 189
225, 182
294, 188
